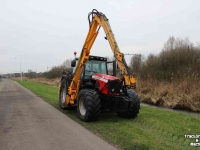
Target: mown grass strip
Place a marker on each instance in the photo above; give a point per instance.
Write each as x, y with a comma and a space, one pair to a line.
152, 129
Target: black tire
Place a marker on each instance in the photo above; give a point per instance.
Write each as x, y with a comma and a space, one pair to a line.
134, 105
89, 105
62, 94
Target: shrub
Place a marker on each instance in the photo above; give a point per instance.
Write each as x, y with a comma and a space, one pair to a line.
56, 72
179, 59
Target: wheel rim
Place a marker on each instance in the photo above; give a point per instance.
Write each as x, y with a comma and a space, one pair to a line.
82, 108
64, 93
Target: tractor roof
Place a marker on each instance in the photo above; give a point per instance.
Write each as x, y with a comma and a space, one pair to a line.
91, 57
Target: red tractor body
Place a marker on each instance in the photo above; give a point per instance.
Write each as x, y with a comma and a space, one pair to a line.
102, 80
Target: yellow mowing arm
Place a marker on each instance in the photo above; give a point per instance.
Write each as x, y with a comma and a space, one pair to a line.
128, 77
74, 86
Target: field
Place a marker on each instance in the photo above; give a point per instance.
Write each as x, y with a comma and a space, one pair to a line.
153, 128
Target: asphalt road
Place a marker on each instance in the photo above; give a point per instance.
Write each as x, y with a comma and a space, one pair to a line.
29, 123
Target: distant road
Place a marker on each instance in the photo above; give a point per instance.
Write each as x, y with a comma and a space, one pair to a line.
29, 123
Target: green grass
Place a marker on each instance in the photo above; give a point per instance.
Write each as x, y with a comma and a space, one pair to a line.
153, 128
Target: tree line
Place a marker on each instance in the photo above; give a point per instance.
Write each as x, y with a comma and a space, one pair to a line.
178, 59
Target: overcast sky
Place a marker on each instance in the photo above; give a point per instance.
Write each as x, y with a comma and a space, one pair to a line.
44, 33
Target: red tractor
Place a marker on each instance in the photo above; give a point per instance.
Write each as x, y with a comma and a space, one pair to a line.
98, 91
90, 88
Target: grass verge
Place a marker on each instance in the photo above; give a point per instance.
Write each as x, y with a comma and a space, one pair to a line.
152, 129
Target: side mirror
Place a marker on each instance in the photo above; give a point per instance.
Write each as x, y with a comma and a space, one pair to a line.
73, 63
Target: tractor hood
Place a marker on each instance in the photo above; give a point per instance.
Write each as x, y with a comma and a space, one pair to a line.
103, 77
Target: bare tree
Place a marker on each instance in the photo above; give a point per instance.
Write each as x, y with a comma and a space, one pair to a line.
67, 63
183, 43
135, 63
170, 44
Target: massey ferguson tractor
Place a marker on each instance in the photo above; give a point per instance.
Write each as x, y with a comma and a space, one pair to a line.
90, 88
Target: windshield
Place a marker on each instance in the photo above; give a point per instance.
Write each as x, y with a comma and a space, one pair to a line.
96, 67
93, 66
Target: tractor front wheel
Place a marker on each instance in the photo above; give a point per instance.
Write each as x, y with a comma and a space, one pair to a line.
134, 105
89, 105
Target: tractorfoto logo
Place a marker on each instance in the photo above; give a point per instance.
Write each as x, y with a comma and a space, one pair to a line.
196, 137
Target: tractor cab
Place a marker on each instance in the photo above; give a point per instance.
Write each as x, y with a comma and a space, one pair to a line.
95, 64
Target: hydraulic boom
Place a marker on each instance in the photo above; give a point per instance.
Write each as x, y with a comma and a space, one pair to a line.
97, 20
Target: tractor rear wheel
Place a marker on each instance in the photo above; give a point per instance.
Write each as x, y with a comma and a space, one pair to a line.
63, 93
89, 105
134, 105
